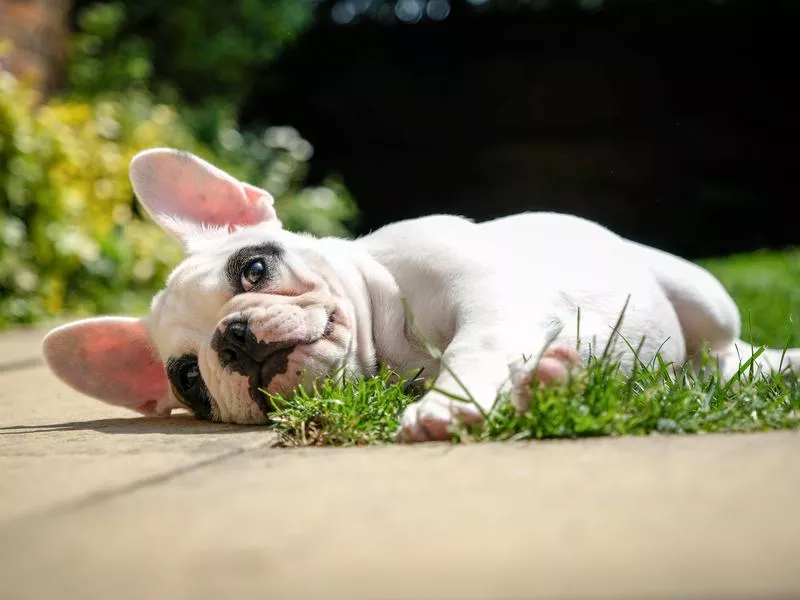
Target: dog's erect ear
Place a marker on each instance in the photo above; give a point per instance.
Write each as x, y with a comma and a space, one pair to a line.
185, 194
111, 359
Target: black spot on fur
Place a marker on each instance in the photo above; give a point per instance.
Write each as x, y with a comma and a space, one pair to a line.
198, 398
270, 252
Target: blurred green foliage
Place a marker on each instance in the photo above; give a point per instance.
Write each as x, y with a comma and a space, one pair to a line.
69, 239
72, 239
766, 287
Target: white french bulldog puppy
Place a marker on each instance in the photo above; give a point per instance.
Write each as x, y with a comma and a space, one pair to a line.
254, 307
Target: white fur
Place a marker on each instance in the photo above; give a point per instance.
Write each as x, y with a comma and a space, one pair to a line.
484, 294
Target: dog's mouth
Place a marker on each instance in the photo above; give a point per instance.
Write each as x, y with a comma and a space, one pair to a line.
277, 363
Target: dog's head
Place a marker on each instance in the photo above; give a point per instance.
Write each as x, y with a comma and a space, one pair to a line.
252, 308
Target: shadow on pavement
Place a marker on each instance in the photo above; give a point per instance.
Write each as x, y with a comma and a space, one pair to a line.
181, 424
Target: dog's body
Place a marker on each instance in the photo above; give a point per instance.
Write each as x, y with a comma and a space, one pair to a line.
256, 307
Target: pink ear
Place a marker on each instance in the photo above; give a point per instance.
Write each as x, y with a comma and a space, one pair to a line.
111, 359
179, 188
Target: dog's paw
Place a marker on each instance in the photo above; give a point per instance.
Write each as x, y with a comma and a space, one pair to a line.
433, 418
553, 368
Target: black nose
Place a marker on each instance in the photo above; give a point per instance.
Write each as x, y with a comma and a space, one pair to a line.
239, 349
235, 344
237, 331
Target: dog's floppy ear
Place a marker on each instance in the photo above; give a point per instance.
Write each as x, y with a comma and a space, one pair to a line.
185, 194
111, 359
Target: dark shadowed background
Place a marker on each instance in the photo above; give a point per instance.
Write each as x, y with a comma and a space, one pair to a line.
674, 122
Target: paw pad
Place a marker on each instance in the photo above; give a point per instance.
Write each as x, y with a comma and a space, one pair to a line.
552, 368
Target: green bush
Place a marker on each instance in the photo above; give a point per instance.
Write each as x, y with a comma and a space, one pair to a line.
69, 237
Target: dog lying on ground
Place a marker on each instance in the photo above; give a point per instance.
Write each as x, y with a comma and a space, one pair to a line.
255, 307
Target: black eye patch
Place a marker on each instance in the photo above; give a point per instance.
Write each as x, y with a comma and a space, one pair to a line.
240, 260
188, 385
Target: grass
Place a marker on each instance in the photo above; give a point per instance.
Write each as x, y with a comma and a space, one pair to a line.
345, 411
599, 400
766, 286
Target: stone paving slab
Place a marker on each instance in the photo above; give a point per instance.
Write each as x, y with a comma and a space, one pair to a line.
58, 447
666, 517
21, 348
96, 502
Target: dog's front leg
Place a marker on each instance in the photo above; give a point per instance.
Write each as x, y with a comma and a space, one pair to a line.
474, 368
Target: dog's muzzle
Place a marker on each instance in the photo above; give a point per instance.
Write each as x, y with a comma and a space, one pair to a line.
241, 352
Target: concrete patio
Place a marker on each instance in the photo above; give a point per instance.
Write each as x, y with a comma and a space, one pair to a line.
96, 502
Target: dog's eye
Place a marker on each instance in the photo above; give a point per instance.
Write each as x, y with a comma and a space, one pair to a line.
253, 272
188, 375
